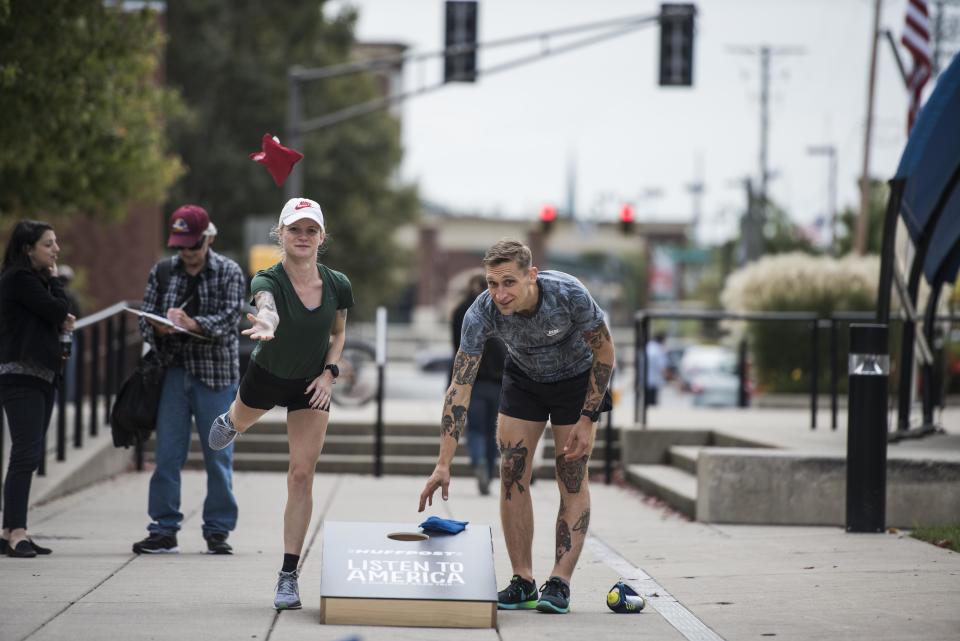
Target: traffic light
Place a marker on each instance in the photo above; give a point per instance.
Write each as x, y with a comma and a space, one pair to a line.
460, 30
548, 214
626, 220
676, 44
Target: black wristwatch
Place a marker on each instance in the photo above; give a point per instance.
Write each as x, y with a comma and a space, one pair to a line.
334, 370
594, 415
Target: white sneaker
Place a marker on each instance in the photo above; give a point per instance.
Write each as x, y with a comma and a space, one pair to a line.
222, 433
287, 594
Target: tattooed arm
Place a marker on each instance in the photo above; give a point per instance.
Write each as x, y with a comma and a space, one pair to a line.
603, 360
452, 424
581, 438
266, 321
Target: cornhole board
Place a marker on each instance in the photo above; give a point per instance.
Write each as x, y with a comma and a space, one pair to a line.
392, 574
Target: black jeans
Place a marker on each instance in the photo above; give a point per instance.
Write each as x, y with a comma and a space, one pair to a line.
28, 406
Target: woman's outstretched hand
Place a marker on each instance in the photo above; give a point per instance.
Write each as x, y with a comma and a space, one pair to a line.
262, 330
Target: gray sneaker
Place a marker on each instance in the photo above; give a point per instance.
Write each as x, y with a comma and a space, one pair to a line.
222, 433
287, 594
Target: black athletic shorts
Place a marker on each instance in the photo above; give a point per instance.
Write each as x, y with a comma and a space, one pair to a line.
524, 398
262, 390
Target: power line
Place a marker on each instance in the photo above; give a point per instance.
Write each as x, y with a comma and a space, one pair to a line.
297, 126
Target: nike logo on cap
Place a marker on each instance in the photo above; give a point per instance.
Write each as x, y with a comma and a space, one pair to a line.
303, 204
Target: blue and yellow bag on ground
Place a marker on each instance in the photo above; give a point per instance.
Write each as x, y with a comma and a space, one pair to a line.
623, 599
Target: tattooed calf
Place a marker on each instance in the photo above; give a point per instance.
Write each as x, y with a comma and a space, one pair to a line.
571, 473
513, 465
582, 523
564, 541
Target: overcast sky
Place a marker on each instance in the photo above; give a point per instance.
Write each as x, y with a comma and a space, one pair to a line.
503, 145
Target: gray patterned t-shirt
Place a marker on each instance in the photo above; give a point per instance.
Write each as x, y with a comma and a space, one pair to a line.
548, 345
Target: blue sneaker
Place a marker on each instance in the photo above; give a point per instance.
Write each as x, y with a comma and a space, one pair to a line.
222, 433
287, 594
554, 596
519, 595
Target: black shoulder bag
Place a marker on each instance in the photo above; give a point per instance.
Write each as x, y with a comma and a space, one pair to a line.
134, 413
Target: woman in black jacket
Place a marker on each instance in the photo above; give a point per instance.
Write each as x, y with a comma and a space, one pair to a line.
33, 313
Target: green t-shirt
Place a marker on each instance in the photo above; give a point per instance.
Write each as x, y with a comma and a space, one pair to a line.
299, 348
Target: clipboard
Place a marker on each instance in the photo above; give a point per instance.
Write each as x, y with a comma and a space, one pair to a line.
164, 321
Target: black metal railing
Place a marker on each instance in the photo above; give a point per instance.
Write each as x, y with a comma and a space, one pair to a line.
100, 359
816, 324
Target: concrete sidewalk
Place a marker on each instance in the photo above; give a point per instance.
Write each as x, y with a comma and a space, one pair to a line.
741, 582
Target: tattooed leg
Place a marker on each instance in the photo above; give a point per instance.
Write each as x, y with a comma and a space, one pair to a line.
573, 519
517, 440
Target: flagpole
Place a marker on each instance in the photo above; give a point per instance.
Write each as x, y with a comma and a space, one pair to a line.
860, 244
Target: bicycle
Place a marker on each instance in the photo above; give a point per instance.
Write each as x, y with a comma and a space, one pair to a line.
357, 384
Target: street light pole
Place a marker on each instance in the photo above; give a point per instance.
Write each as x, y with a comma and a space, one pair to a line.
863, 222
294, 184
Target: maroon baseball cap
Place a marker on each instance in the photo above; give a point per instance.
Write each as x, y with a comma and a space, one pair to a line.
187, 226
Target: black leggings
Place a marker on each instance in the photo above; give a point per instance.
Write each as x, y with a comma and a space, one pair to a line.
28, 408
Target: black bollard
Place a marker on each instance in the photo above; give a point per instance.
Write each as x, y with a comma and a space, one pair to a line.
869, 366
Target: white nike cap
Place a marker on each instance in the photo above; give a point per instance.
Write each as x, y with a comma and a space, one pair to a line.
300, 208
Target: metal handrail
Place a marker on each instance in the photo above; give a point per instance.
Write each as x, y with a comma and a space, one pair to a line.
817, 322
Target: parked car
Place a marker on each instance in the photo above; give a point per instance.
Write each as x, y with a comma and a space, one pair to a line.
716, 388
697, 359
709, 373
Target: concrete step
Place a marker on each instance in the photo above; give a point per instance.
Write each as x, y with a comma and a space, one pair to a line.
363, 464
672, 485
684, 457
363, 444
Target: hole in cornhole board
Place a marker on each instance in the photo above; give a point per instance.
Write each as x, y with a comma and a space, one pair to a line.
408, 536
392, 574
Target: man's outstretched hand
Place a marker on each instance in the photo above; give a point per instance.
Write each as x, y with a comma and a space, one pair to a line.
439, 479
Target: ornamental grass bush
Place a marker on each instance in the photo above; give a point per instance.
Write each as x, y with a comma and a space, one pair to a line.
795, 282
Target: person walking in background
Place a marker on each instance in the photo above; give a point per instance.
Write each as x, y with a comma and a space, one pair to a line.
560, 361
203, 292
485, 397
300, 327
34, 311
656, 366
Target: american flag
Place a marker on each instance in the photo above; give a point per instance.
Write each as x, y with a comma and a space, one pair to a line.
916, 38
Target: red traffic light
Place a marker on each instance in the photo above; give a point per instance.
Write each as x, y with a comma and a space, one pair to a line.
548, 213
626, 214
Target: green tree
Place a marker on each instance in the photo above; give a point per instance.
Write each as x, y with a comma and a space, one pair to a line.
82, 113
781, 235
229, 60
876, 210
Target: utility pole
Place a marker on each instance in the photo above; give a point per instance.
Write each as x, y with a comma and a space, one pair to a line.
860, 238
695, 189
830, 151
760, 198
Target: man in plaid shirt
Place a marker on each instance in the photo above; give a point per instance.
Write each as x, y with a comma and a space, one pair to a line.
202, 292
